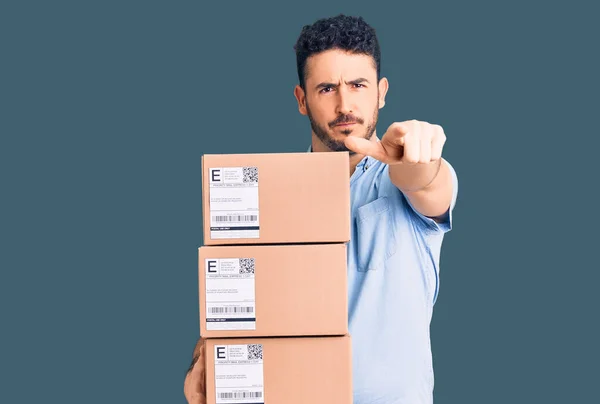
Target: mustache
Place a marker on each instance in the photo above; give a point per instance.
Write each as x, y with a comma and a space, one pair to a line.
345, 119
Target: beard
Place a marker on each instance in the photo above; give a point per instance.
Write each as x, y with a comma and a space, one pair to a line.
338, 145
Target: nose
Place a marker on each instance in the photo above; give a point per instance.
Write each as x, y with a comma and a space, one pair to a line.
344, 106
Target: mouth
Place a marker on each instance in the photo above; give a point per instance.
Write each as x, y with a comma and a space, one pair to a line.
346, 124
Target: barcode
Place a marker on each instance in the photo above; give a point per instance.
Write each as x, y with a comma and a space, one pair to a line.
221, 310
236, 218
242, 394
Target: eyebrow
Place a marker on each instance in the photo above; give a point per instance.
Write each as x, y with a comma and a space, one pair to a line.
355, 81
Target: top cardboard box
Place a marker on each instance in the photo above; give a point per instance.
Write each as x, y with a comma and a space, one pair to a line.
276, 198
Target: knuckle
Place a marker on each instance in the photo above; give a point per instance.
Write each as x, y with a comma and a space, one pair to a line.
397, 126
413, 133
439, 135
411, 160
440, 131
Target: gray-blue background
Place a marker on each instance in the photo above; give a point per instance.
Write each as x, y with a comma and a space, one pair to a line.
106, 108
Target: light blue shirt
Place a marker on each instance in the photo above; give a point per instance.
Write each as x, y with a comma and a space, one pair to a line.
393, 282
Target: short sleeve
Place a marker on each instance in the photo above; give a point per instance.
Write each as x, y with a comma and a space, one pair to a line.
445, 225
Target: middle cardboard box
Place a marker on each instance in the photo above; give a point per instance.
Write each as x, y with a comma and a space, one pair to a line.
273, 290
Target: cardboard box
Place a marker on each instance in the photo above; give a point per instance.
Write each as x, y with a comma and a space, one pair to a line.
276, 198
273, 290
282, 370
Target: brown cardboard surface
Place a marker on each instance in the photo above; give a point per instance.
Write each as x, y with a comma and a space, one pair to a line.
302, 197
300, 290
315, 370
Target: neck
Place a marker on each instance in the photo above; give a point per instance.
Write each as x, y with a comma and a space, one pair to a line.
318, 146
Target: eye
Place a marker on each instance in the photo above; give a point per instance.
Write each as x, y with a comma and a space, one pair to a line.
359, 85
326, 89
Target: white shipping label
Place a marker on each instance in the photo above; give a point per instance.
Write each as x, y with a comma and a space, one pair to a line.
239, 374
233, 202
230, 294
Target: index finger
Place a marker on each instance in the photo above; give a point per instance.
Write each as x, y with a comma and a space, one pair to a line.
404, 127
366, 147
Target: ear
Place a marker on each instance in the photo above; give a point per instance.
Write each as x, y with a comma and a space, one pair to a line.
301, 98
383, 88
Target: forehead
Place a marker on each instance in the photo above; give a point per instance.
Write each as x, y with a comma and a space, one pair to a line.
334, 65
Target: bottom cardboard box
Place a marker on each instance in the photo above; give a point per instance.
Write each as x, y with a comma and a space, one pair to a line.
290, 370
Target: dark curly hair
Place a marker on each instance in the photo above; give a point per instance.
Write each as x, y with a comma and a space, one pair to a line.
343, 32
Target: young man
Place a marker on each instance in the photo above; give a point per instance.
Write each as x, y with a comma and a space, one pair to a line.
402, 196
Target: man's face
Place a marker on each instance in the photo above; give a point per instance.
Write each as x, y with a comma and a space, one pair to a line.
342, 96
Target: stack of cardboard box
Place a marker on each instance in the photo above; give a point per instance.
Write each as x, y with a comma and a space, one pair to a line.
273, 279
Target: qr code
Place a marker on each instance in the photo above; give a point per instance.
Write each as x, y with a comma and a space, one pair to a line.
254, 351
246, 265
250, 174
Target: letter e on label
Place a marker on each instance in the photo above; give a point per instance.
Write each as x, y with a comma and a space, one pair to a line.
215, 175
211, 266
221, 352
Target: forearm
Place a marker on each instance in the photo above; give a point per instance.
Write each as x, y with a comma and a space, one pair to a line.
198, 352
427, 186
415, 177
194, 387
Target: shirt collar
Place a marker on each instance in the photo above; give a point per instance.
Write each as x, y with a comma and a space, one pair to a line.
364, 163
